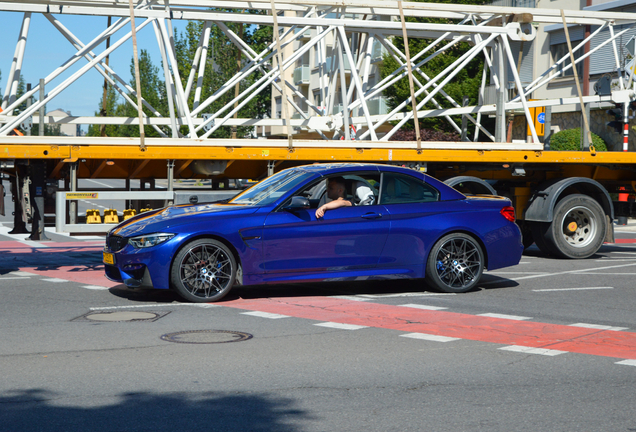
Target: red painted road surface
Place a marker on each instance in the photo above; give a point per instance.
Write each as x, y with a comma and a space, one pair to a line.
606, 343
46, 262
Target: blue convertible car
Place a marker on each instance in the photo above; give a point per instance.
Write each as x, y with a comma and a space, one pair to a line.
397, 222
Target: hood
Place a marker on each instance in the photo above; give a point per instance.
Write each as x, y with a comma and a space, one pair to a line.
170, 217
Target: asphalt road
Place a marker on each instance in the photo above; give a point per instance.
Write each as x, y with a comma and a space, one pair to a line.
548, 345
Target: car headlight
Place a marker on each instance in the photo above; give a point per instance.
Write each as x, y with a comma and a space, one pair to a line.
149, 240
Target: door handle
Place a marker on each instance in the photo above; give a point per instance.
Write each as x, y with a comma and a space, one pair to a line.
371, 215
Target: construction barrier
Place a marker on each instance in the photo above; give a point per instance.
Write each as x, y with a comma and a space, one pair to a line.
93, 216
128, 213
110, 216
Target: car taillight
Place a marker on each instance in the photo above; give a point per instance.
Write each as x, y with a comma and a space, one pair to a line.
509, 213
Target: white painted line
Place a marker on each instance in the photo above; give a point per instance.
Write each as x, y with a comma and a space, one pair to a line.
563, 273
514, 272
405, 295
420, 306
572, 289
354, 298
55, 280
599, 327
626, 362
503, 316
20, 273
94, 287
610, 274
10, 277
340, 326
265, 315
530, 350
429, 337
623, 252
614, 259
201, 305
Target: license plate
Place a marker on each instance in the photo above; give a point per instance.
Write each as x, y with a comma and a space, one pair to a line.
109, 258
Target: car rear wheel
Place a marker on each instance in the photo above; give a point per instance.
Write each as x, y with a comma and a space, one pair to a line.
203, 271
455, 264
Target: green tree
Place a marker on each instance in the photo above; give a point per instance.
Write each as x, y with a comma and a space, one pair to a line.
465, 83
112, 99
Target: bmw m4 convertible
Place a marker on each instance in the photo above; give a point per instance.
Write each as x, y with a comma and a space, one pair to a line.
397, 223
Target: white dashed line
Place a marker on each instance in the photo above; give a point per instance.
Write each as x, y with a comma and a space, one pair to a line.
340, 326
201, 305
627, 362
354, 298
55, 280
265, 315
503, 316
372, 296
429, 337
599, 327
20, 273
11, 277
572, 289
94, 287
420, 306
530, 350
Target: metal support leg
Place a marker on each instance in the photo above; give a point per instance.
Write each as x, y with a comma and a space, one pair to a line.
38, 187
72, 205
170, 180
19, 225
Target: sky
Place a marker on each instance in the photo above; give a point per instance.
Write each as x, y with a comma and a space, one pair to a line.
47, 49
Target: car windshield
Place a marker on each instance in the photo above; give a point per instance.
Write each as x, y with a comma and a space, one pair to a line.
272, 188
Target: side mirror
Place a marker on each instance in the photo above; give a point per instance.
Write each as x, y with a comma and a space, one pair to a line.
298, 203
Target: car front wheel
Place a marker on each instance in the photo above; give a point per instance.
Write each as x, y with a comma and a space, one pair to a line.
203, 271
455, 264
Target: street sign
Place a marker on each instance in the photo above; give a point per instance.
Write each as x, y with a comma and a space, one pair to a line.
541, 118
538, 119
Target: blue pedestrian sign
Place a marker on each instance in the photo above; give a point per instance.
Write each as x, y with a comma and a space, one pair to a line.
541, 118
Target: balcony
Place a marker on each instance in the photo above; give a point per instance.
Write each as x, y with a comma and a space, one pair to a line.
305, 35
378, 51
377, 106
329, 60
301, 75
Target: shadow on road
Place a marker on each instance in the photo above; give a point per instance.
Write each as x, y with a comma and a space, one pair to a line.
44, 411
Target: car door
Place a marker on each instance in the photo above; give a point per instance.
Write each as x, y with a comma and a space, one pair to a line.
416, 214
345, 239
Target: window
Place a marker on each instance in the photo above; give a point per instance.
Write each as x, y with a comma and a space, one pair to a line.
401, 189
360, 188
279, 107
558, 51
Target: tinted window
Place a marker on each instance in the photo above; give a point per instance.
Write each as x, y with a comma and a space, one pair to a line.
397, 188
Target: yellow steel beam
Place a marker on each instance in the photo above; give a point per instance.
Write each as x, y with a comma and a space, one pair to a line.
34, 152
361, 154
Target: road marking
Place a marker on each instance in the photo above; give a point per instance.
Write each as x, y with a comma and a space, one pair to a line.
503, 316
515, 272
429, 337
561, 273
599, 327
627, 362
94, 287
613, 259
372, 296
420, 306
530, 350
341, 326
20, 273
624, 252
572, 289
353, 298
201, 305
55, 280
611, 274
12, 277
504, 332
265, 315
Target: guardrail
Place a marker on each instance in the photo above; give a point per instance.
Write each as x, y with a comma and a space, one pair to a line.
62, 197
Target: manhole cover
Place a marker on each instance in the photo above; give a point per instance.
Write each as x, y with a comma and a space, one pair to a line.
121, 316
206, 336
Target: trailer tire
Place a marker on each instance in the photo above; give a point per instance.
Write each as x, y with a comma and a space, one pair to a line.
578, 227
539, 230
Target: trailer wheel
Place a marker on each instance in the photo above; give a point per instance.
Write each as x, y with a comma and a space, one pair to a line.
539, 230
578, 227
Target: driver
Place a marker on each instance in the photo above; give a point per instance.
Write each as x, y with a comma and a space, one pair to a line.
336, 191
